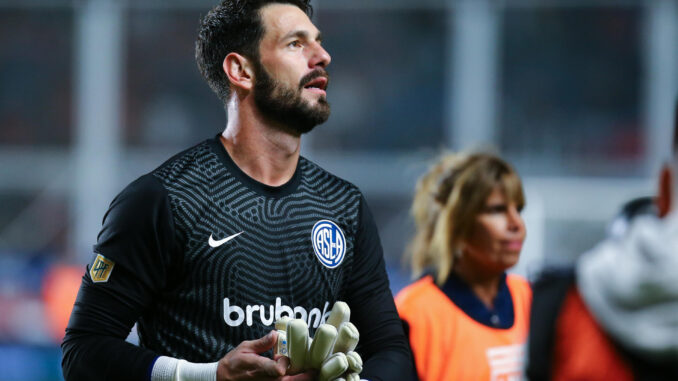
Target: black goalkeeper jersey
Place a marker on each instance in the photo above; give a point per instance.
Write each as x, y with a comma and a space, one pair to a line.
204, 257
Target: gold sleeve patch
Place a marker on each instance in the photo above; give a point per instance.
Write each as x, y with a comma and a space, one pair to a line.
101, 269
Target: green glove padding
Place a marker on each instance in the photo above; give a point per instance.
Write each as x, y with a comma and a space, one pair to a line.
297, 345
355, 362
347, 338
281, 345
340, 313
322, 345
331, 352
333, 367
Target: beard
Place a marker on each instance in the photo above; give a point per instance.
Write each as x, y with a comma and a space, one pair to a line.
285, 106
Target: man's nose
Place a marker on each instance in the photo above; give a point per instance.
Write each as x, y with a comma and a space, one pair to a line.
320, 56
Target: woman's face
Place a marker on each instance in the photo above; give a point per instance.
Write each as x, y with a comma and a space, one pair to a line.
496, 236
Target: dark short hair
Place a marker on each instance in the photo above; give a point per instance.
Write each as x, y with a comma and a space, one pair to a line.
232, 26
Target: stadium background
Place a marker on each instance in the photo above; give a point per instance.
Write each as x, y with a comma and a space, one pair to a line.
577, 94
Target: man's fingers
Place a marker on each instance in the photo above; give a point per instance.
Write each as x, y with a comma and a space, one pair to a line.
283, 363
263, 366
262, 344
242, 364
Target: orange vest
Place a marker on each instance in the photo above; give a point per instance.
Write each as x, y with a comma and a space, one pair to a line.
581, 350
449, 345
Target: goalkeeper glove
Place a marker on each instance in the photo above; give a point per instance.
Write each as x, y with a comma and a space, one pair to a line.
331, 352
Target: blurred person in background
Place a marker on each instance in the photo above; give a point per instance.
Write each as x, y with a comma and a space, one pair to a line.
209, 249
467, 319
614, 316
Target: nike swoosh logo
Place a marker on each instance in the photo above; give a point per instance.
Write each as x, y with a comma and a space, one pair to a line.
220, 242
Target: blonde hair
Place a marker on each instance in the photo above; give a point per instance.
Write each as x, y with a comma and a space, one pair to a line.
447, 200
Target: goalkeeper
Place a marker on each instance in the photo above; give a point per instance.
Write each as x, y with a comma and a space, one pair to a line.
208, 250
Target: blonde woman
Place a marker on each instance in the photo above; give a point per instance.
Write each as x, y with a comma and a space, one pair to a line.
466, 318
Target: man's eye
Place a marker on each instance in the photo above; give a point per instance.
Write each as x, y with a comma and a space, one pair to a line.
294, 44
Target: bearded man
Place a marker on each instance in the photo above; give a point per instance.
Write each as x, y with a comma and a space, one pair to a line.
209, 249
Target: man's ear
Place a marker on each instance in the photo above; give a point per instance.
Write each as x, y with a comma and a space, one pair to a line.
665, 194
239, 71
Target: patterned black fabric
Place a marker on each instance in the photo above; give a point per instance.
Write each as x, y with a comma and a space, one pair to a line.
271, 263
197, 299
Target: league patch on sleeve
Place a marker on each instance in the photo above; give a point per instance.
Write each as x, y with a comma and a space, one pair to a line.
101, 269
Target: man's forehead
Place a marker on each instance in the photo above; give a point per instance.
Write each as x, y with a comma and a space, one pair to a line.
281, 19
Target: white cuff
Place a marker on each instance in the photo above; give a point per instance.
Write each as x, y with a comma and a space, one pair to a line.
188, 371
164, 369
171, 369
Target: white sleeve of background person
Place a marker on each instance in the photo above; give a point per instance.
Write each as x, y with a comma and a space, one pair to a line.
630, 285
171, 369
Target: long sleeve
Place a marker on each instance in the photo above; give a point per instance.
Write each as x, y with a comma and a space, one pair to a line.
129, 266
383, 343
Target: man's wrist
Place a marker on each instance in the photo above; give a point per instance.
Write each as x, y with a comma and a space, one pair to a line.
172, 369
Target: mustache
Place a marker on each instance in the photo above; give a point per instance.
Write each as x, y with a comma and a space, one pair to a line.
313, 75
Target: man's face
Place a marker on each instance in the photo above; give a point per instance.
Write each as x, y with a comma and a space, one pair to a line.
290, 77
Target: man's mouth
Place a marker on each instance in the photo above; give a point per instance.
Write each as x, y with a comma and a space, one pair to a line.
318, 83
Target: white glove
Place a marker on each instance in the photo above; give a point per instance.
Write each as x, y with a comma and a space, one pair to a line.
355, 362
321, 345
342, 364
341, 367
347, 338
331, 352
333, 367
293, 342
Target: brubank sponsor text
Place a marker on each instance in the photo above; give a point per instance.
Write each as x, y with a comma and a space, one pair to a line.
236, 316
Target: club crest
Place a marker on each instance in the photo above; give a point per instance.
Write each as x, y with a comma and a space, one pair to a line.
329, 243
101, 269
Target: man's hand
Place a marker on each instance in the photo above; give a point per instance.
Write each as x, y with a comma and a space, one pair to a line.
246, 363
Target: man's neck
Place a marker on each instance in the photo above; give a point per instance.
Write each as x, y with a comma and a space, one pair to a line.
264, 152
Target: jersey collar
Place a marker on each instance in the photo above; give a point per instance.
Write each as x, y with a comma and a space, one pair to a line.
501, 316
263, 189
